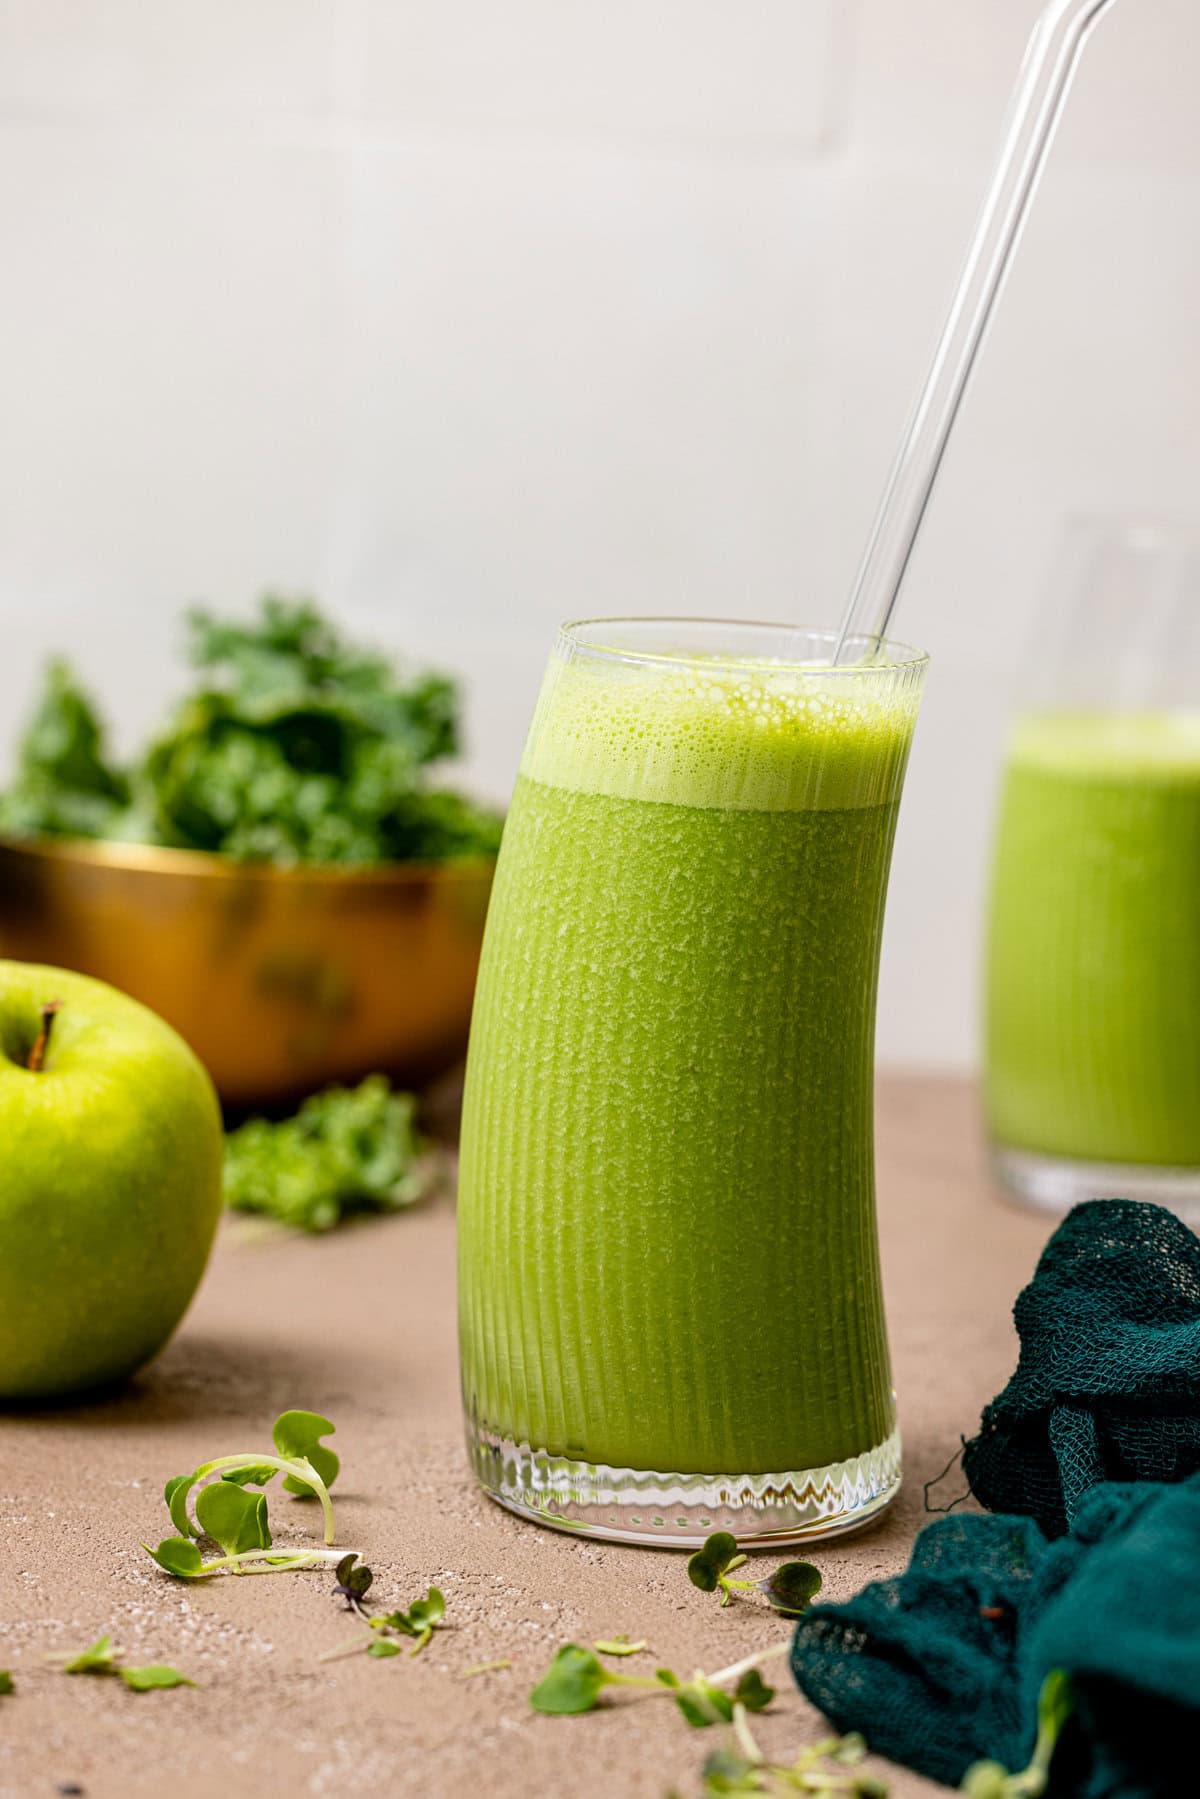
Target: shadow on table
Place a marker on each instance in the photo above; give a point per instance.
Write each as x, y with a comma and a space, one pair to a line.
205, 1376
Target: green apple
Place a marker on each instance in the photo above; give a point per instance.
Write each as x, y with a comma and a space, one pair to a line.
110, 1181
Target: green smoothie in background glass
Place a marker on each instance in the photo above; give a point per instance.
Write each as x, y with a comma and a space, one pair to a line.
670, 1305
1093, 1040
1092, 1066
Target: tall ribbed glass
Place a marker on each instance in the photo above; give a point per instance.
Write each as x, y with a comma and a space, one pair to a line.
670, 1308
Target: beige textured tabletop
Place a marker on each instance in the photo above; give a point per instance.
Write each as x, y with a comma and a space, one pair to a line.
360, 1326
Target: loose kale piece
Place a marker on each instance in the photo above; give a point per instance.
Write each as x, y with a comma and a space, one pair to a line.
346, 1150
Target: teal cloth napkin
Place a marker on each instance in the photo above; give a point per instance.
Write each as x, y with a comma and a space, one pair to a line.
1094, 1451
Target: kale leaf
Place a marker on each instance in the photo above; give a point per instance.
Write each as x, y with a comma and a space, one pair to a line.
346, 1150
296, 747
65, 784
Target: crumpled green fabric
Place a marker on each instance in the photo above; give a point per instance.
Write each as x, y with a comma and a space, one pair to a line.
1108, 1382
942, 1666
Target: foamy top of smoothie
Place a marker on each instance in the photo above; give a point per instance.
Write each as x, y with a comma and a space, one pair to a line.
748, 736
1160, 747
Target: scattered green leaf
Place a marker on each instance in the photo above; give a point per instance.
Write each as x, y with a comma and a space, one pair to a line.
6, 1683
710, 1565
573, 1683
703, 1705
987, 1780
991, 1780
155, 1675
619, 1645
576, 1679
743, 1768
234, 1519
297, 1437
254, 1474
175, 1493
102, 1658
353, 1580
420, 1621
347, 1150
725, 1771
98, 1658
753, 1692
178, 1556
790, 1589
426, 1614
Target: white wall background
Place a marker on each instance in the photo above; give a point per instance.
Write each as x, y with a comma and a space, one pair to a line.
470, 316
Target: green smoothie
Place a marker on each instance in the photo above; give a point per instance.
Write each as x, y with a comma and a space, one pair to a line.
668, 1256
1093, 1036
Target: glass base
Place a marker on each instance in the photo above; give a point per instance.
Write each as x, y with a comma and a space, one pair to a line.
1056, 1183
626, 1505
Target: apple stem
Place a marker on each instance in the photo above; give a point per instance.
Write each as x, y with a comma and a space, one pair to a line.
41, 1043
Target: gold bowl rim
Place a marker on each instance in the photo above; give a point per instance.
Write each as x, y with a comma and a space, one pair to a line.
151, 858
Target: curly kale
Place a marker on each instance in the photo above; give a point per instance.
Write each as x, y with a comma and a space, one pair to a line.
64, 785
296, 747
346, 1150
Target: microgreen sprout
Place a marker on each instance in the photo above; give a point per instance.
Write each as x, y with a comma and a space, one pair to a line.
309, 1469
180, 1557
574, 1682
790, 1589
422, 1618
619, 1645
153, 1677
991, 1780
485, 1668
711, 1566
353, 1580
236, 1520
576, 1678
826, 1769
98, 1658
102, 1657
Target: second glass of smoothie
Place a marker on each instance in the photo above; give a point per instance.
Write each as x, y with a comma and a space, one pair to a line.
670, 1309
1093, 968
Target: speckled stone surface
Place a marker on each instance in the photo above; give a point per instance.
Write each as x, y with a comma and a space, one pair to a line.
361, 1326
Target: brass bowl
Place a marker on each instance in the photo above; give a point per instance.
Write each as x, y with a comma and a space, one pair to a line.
281, 979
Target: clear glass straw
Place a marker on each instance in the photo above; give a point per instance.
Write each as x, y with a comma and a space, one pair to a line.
1034, 114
